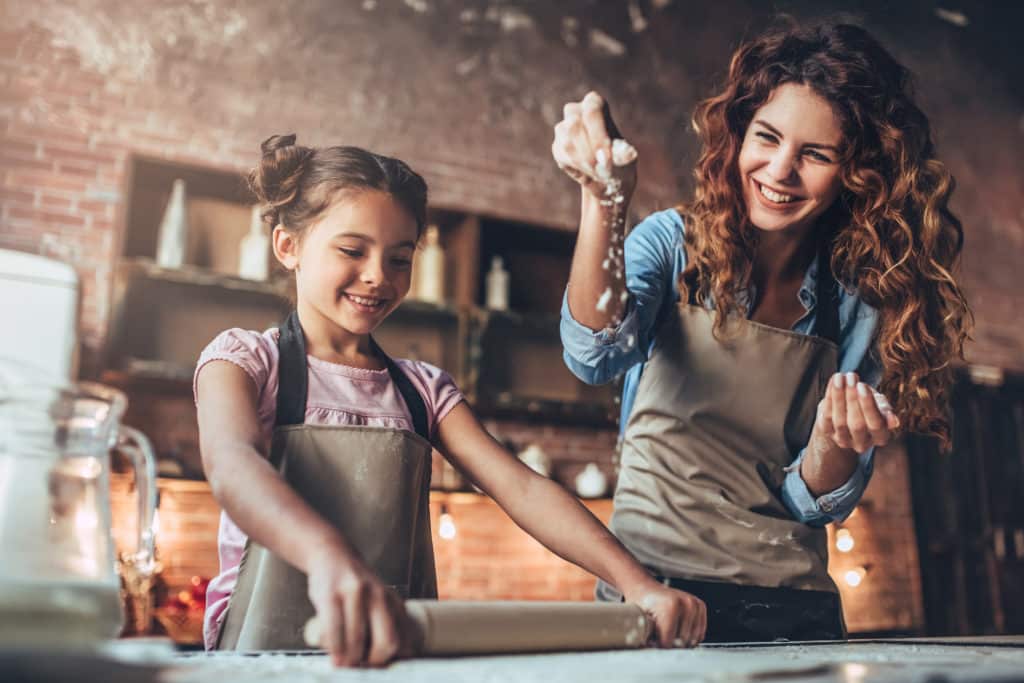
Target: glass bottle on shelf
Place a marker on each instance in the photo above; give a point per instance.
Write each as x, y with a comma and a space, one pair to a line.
254, 249
497, 286
171, 240
428, 270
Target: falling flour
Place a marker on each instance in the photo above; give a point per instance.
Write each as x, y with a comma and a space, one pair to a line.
614, 203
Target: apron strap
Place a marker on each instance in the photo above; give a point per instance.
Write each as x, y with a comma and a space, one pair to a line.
293, 380
413, 399
292, 374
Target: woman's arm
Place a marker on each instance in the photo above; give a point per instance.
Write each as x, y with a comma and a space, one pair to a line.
653, 256
583, 149
348, 598
562, 524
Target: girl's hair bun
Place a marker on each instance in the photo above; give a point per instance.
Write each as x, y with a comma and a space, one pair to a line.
276, 180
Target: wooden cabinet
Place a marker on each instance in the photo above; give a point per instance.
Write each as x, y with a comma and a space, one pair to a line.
506, 363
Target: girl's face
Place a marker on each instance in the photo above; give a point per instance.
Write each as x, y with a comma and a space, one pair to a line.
789, 160
353, 264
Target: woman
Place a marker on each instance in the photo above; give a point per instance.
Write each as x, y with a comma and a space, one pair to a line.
763, 325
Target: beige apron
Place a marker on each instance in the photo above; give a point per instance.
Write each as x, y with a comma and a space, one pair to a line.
712, 428
372, 484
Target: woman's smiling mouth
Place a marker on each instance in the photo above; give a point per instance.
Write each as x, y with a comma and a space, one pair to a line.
774, 197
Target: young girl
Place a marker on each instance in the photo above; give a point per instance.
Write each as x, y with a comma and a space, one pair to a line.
317, 445
815, 263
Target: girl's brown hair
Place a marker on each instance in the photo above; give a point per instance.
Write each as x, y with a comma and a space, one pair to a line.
295, 183
894, 240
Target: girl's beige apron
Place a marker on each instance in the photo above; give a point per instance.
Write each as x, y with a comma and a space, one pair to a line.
713, 427
371, 483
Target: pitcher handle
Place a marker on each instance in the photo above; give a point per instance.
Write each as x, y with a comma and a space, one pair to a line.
138, 448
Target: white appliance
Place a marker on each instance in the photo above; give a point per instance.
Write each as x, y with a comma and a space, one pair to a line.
39, 315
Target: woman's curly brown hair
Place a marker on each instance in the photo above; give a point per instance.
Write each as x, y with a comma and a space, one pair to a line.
894, 240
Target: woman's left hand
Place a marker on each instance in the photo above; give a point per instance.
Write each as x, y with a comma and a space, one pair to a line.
680, 619
853, 415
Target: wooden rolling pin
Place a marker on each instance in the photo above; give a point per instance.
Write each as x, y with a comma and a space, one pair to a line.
486, 628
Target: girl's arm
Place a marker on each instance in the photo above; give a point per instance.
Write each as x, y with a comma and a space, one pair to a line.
562, 524
348, 598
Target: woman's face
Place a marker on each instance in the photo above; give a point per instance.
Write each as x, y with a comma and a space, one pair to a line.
789, 160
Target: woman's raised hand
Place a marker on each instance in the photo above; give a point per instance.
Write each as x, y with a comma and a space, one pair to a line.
589, 148
853, 415
362, 622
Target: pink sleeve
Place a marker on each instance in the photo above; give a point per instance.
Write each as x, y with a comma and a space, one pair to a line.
254, 352
437, 388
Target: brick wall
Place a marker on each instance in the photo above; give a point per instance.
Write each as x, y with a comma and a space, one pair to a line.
466, 91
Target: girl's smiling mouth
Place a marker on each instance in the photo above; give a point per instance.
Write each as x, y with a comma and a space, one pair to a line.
368, 304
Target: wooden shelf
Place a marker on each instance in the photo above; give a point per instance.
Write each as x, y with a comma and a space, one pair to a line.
202, 277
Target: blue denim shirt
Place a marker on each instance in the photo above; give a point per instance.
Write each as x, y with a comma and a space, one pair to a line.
654, 259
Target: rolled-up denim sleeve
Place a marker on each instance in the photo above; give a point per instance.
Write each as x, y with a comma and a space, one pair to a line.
598, 357
834, 506
651, 254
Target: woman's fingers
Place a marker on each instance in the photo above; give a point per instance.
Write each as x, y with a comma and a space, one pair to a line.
882, 402
855, 415
585, 147
859, 436
600, 143
874, 419
840, 430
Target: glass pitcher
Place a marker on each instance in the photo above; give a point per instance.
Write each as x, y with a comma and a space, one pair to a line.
59, 584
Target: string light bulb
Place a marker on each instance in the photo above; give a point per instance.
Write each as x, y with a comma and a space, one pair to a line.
446, 524
844, 541
855, 576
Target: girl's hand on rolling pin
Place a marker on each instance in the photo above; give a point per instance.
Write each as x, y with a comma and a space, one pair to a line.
680, 619
362, 621
855, 416
590, 149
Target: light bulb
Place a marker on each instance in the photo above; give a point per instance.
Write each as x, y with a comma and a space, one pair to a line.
446, 527
853, 577
844, 541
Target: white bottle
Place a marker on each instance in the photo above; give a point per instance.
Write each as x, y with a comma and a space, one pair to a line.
170, 249
497, 286
253, 249
429, 284
591, 482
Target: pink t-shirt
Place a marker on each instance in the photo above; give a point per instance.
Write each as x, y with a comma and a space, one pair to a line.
339, 395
